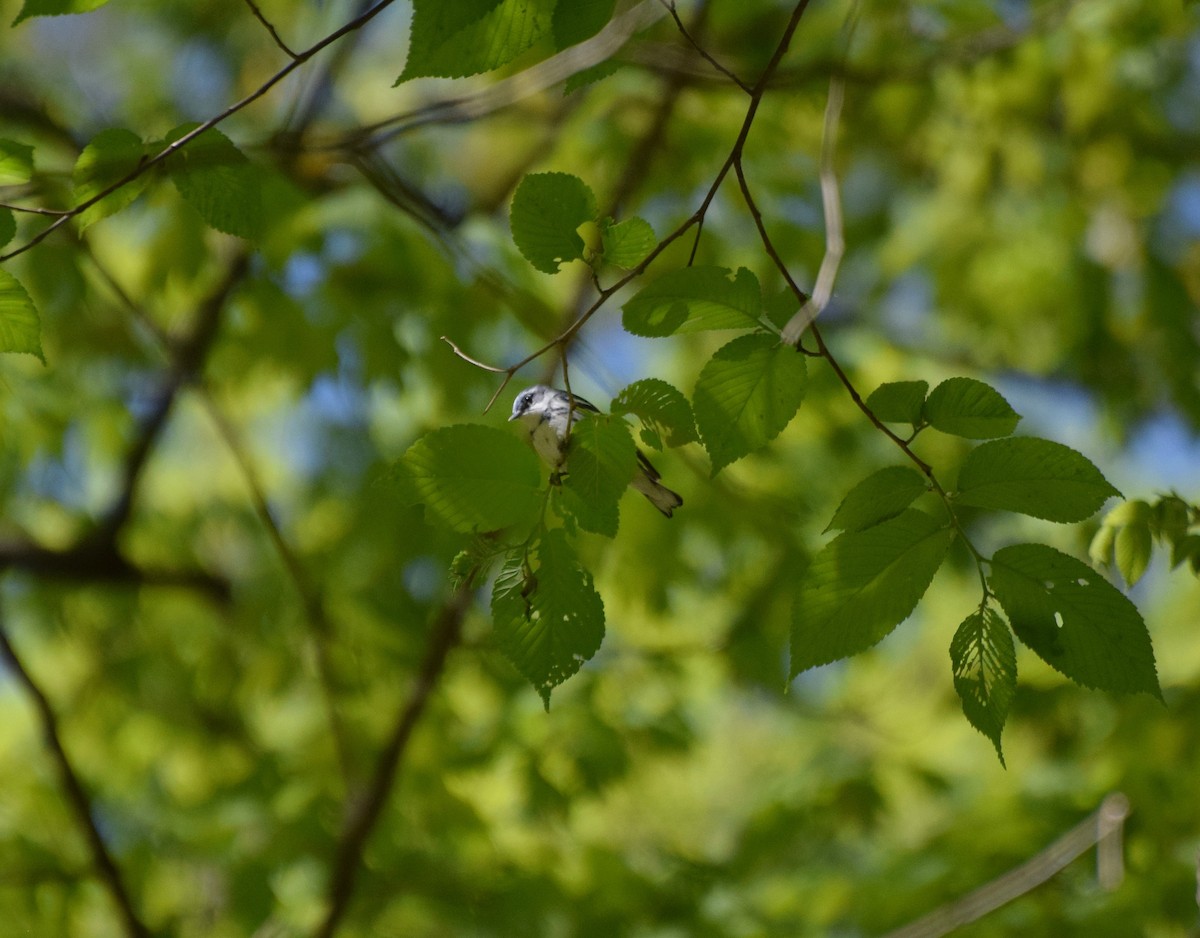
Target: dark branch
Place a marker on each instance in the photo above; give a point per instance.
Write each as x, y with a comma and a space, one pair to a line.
258, 15
77, 797
363, 813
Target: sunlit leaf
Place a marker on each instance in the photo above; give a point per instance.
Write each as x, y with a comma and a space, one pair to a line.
1034, 477
627, 243
466, 37
219, 182
969, 408
547, 210
107, 159
693, 299
600, 462
862, 585
898, 401
881, 495
658, 403
1076, 621
985, 671
16, 163
471, 477
20, 330
548, 617
746, 394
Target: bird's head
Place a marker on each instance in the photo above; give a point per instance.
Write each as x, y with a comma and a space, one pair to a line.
532, 401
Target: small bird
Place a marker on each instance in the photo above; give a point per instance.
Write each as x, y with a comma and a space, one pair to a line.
544, 411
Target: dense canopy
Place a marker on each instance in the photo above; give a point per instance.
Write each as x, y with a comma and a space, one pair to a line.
298, 638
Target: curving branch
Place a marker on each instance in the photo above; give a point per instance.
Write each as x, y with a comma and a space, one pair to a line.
150, 162
77, 797
363, 812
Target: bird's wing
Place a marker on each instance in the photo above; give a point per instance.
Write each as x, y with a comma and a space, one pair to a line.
647, 467
581, 404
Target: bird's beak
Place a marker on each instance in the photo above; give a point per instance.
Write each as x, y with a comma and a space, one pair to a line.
513, 417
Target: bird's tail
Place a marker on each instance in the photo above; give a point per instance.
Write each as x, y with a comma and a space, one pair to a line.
646, 482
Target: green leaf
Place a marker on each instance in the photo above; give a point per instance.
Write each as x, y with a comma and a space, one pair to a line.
881, 495
16, 163
548, 617
547, 210
1132, 551
589, 76
898, 401
8, 226
215, 179
577, 20
660, 404
969, 408
627, 243
862, 585
694, 299
471, 477
985, 672
746, 394
1074, 619
19, 327
108, 158
780, 307
466, 37
600, 462
1034, 477
56, 7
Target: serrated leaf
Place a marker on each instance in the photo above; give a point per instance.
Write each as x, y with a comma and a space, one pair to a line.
108, 158
16, 163
985, 672
471, 477
8, 226
969, 408
695, 299
862, 585
547, 210
779, 308
1074, 619
56, 8
1131, 551
20, 330
219, 182
660, 404
746, 394
600, 462
589, 76
881, 495
548, 617
1033, 477
898, 401
577, 20
627, 243
467, 37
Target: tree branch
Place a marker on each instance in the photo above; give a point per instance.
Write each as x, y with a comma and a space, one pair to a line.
363, 813
152, 161
76, 796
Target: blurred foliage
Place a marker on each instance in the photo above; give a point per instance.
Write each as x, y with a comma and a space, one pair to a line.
1019, 182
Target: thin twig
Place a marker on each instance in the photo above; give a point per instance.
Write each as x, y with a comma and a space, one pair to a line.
696, 219
53, 212
152, 161
76, 795
258, 15
704, 54
363, 814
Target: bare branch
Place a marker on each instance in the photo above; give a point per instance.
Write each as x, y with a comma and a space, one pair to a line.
363, 813
670, 5
258, 15
77, 797
152, 161
28, 210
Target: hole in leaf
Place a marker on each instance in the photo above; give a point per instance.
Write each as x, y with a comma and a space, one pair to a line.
1058, 619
